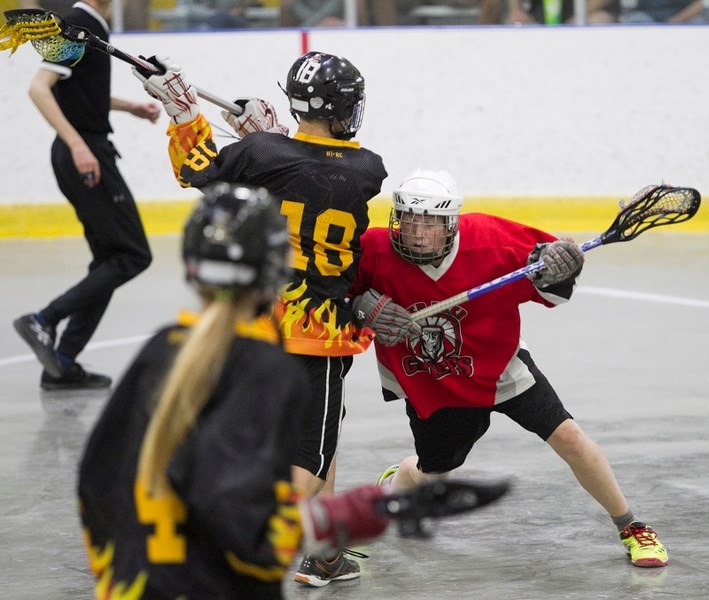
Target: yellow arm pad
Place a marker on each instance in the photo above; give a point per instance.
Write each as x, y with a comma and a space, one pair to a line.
191, 148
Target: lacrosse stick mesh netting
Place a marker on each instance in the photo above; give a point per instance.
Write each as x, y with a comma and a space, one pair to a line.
42, 29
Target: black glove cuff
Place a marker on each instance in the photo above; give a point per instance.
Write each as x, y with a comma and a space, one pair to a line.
159, 69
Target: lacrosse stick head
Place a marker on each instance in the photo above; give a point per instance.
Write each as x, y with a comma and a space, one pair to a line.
44, 30
652, 206
413, 509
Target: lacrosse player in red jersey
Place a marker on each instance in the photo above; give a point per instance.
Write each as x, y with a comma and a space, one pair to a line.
324, 180
457, 367
185, 482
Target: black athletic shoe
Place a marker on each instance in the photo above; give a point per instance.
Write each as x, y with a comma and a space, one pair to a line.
75, 378
318, 572
41, 340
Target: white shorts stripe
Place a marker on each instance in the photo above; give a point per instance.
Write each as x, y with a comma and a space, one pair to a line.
324, 419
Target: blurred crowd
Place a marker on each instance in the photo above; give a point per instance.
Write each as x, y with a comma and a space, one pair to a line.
140, 15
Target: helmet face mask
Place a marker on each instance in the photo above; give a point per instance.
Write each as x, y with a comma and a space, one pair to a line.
423, 222
236, 239
420, 239
323, 86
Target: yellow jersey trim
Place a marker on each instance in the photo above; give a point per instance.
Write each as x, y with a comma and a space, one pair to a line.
261, 328
323, 141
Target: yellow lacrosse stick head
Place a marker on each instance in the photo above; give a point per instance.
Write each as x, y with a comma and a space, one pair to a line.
41, 28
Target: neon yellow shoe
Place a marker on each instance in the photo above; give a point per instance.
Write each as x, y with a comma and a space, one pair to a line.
389, 472
644, 549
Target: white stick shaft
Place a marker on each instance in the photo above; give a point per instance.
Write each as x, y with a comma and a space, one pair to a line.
225, 104
82, 35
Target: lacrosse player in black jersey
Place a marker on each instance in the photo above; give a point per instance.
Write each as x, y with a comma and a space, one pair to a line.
324, 180
75, 99
185, 483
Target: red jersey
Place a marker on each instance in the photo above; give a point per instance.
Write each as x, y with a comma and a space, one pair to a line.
466, 356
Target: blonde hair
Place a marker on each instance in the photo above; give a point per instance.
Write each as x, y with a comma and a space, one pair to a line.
187, 388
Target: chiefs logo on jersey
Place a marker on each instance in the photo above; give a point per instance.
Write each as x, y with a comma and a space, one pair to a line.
437, 351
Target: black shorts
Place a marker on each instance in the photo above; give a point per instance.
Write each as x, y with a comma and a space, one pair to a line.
444, 440
323, 412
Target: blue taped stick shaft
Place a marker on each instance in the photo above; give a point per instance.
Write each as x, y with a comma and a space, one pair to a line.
491, 285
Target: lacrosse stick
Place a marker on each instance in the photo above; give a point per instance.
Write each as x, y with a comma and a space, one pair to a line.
438, 499
56, 41
652, 206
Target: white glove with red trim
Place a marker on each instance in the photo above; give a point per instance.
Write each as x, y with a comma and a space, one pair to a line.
258, 115
177, 96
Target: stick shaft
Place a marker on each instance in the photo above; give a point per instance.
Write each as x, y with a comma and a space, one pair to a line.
641, 214
81, 35
217, 101
491, 285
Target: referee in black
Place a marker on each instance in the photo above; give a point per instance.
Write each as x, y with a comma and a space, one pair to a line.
75, 99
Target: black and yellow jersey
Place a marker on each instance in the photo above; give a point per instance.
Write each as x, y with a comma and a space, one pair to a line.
324, 185
232, 527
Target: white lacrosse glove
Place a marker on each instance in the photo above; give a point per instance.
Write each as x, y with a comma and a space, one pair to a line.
392, 323
177, 96
563, 260
257, 115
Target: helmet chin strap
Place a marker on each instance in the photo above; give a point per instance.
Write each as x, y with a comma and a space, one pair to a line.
340, 129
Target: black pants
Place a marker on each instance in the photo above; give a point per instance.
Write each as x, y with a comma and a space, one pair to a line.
116, 238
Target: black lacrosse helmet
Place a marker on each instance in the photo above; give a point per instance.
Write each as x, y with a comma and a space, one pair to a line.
236, 238
323, 86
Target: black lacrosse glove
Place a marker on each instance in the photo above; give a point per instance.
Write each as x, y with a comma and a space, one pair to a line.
392, 323
563, 260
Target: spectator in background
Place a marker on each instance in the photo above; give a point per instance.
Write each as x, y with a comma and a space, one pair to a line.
378, 12
135, 15
59, 6
331, 13
231, 16
598, 12
664, 11
135, 12
450, 12
312, 13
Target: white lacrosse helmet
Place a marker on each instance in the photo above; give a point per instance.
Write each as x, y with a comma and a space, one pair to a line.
425, 193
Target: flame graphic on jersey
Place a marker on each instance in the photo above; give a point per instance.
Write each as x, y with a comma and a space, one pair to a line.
190, 147
106, 588
284, 533
316, 330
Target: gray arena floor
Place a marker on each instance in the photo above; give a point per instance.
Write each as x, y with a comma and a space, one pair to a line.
627, 355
